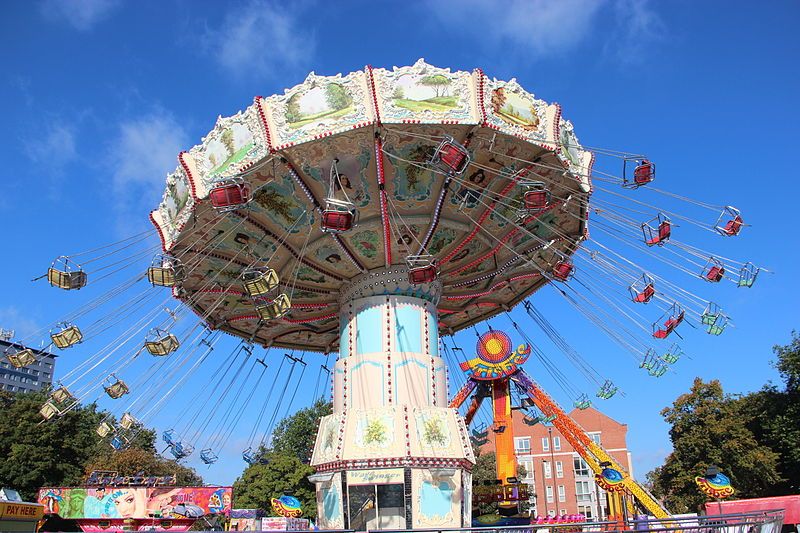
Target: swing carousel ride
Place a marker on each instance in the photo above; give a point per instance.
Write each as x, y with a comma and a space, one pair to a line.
371, 217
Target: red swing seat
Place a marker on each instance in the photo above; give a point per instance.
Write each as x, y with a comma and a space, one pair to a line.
563, 270
715, 274
645, 295
336, 221
733, 226
644, 173
669, 326
536, 199
662, 235
450, 157
229, 193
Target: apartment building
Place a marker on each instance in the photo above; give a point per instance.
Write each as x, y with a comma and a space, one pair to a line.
31, 378
562, 481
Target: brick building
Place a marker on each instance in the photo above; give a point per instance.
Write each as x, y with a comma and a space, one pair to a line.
29, 379
562, 482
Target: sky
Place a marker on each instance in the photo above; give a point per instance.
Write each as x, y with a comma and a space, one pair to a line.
99, 96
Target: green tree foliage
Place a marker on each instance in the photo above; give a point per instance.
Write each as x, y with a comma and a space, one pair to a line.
337, 96
437, 82
774, 417
295, 434
133, 460
485, 472
227, 140
282, 474
710, 427
60, 452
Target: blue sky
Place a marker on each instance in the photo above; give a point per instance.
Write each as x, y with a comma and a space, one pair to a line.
99, 96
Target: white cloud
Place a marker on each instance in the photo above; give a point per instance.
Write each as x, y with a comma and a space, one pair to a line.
80, 14
260, 37
540, 27
638, 26
23, 326
143, 152
53, 148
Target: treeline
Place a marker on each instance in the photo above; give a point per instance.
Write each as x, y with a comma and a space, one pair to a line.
754, 438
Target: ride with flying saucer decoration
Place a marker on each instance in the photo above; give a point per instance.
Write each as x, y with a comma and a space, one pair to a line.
451, 196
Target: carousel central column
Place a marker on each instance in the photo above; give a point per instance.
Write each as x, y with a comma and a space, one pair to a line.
392, 455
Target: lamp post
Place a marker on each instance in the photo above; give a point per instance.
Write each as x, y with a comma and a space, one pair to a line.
552, 466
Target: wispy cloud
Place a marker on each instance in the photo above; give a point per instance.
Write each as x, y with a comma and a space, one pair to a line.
637, 27
144, 150
52, 148
11, 318
259, 37
540, 27
80, 14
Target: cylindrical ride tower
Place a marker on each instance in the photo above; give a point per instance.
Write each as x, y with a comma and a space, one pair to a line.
392, 454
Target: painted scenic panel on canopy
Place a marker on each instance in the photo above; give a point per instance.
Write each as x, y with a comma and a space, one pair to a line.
425, 93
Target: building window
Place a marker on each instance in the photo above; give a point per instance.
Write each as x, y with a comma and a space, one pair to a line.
583, 491
559, 469
548, 469
557, 444
585, 510
562, 493
522, 445
580, 467
595, 437
527, 464
549, 492
545, 444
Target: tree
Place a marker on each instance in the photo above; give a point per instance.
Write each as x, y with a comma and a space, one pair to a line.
337, 96
36, 454
398, 93
62, 451
774, 417
132, 461
227, 140
295, 434
485, 473
282, 474
710, 427
437, 82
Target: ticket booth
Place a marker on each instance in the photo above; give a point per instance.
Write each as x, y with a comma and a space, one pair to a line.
376, 499
16, 515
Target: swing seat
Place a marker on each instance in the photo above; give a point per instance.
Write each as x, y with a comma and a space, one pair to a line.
229, 193
168, 437
179, 450
167, 272
68, 335
118, 442
645, 295
548, 419
748, 275
419, 275
530, 420
208, 456
669, 326
658, 371
607, 390
258, 282
104, 429
117, 389
661, 236
338, 216
249, 456
273, 309
48, 410
450, 157
127, 421
716, 329
65, 279
22, 358
163, 343
563, 270
715, 274
61, 395
733, 226
536, 196
583, 402
421, 269
644, 173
